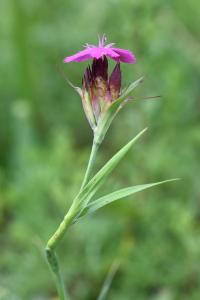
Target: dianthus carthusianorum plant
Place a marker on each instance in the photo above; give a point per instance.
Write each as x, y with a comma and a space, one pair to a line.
102, 99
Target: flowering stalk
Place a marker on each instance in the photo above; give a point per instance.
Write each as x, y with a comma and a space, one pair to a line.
102, 99
91, 162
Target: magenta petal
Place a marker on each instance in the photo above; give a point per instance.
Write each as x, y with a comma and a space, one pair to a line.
98, 52
92, 52
78, 57
124, 56
112, 54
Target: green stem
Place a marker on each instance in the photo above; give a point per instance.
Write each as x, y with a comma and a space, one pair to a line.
64, 225
93, 153
51, 255
54, 266
58, 235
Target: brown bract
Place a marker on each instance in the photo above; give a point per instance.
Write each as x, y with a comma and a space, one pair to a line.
100, 89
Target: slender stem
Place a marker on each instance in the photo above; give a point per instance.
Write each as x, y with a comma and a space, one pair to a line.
51, 255
58, 235
93, 153
54, 266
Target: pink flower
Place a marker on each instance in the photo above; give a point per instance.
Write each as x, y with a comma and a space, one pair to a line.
92, 51
101, 92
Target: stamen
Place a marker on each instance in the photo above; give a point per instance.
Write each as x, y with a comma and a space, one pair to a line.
109, 45
88, 45
102, 40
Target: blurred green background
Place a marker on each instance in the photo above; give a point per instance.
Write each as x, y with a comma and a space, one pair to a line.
45, 142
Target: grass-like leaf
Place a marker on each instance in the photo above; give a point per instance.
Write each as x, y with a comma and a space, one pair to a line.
106, 119
122, 193
94, 184
108, 281
131, 87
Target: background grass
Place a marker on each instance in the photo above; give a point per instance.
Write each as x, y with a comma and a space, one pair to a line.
45, 142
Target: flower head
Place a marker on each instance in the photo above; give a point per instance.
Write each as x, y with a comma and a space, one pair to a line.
101, 93
92, 51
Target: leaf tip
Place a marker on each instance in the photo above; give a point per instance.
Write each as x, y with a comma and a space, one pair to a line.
141, 79
144, 130
175, 179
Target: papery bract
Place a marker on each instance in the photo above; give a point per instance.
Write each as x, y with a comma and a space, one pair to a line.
99, 89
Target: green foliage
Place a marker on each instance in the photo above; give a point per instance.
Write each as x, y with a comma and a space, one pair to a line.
120, 194
107, 118
45, 142
95, 183
108, 281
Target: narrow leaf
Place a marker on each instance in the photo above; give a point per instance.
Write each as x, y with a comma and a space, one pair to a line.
131, 87
106, 119
95, 205
94, 184
108, 281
